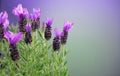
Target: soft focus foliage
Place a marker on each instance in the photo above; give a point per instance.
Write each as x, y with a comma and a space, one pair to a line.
27, 50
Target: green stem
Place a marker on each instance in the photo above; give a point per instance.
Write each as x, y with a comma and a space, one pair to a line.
64, 66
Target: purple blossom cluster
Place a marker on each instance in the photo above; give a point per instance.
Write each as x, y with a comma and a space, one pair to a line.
61, 37
27, 23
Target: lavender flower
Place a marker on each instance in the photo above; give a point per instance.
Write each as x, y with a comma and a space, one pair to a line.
35, 18
48, 33
56, 40
13, 39
66, 28
22, 13
28, 37
3, 23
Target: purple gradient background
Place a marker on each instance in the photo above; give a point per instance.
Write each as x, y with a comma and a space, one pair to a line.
94, 42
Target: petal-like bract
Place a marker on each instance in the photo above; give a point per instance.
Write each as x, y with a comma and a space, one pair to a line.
13, 38
20, 11
57, 33
67, 26
28, 27
49, 22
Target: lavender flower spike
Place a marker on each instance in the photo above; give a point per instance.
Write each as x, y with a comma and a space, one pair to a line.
56, 41
28, 37
66, 28
13, 39
20, 11
48, 33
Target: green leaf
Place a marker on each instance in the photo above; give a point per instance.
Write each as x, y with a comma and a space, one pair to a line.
41, 35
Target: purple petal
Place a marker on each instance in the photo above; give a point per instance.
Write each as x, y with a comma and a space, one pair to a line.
49, 22
25, 12
4, 20
67, 25
1, 13
28, 27
20, 8
57, 33
15, 12
6, 24
17, 38
7, 35
3, 17
33, 17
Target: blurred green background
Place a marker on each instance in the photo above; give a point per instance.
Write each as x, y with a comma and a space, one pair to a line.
94, 41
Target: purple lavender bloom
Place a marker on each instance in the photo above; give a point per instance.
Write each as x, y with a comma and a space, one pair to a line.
36, 14
28, 27
20, 11
13, 38
49, 22
67, 26
57, 33
35, 18
56, 40
48, 33
28, 36
3, 23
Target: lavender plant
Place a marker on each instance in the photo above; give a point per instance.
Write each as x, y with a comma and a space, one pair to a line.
22, 14
30, 53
